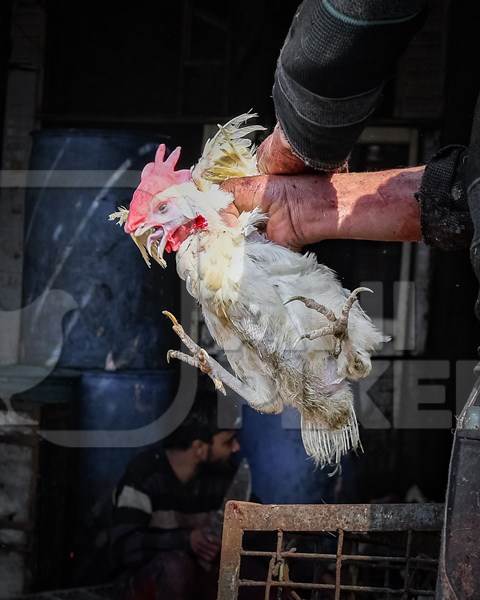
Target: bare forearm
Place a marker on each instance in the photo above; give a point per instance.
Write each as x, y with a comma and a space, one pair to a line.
304, 209
367, 206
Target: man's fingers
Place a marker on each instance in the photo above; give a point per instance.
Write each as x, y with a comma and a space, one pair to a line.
230, 215
246, 191
275, 156
209, 541
208, 545
264, 155
206, 553
209, 557
211, 551
208, 550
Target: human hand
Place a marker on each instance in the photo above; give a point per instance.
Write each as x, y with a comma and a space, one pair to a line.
203, 545
304, 209
276, 157
292, 203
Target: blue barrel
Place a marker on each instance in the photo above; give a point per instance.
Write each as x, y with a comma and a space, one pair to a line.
117, 413
82, 268
282, 473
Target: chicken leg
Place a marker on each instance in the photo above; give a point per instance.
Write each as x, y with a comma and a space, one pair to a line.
338, 326
202, 360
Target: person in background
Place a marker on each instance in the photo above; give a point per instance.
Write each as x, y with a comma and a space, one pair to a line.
159, 538
329, 79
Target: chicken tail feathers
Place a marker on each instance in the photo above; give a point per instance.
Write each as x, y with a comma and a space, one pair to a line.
228, 154
327, 446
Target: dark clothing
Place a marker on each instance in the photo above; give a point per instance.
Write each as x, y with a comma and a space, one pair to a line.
445, 216
332, 69
155, 512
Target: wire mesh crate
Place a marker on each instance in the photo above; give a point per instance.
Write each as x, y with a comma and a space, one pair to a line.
330, 552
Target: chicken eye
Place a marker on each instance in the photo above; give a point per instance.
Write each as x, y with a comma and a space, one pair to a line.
163, 208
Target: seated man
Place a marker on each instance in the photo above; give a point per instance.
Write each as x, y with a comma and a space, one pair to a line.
161, 545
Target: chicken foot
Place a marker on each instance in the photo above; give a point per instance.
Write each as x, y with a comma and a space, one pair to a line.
338, 326
200, 359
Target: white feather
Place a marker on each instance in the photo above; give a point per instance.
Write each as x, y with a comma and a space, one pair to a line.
228, 154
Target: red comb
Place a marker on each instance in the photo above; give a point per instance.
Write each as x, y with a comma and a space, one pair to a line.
156, 177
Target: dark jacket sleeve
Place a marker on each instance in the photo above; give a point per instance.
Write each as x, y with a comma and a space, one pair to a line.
449, 199
445, 216
331, 71
133, 542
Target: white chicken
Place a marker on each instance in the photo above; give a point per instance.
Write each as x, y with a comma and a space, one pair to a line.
292, 335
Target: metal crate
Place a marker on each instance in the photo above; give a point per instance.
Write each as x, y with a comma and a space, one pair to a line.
351, 552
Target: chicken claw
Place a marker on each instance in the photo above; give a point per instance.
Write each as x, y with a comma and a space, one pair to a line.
199, 359
203, 361
339, 325
172, 318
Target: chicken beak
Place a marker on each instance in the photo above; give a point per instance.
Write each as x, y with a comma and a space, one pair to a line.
156, 251
140, 242
153, 237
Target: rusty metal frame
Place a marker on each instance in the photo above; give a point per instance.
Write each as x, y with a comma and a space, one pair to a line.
342, 518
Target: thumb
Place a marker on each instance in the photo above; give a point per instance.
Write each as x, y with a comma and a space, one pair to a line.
264, 154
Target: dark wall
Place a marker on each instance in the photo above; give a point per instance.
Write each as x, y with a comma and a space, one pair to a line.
160, 61
5, 48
